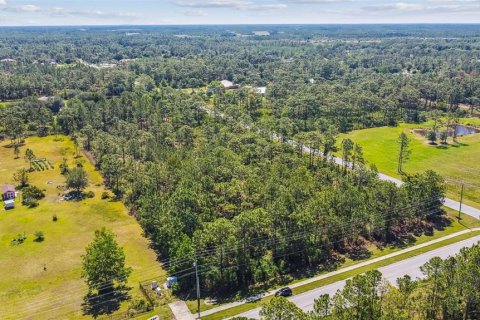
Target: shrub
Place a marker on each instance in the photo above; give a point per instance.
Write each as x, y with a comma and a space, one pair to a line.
19, 239
30, 202
90, 194
105, 195
39, 236
64, 167
30, 196
54, 218
138, 306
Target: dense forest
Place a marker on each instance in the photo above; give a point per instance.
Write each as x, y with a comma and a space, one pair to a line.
249, 208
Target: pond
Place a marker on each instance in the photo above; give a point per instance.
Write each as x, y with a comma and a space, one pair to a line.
465, 130
460, 129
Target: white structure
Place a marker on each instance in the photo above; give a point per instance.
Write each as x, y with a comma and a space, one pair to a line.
171, 281
9, 204
228, 84
261, 90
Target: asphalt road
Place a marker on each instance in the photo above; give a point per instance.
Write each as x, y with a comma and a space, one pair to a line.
391, 272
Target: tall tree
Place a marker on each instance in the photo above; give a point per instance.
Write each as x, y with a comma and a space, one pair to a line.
404, 151
103, 264
29, 156
77, 179
280, 308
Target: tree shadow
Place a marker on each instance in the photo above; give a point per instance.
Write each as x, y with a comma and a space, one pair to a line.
459, 144
97, 304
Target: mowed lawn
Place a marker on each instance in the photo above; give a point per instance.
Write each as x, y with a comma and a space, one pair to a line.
454, 161
41, 280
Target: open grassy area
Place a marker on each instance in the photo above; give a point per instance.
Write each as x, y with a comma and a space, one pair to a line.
453, 161
41, 280
342, 276
456, 225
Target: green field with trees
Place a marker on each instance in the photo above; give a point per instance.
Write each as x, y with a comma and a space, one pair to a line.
454, 161
113, 132
41, 245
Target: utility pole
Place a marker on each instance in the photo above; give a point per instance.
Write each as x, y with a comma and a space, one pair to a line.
461, 200
195, 264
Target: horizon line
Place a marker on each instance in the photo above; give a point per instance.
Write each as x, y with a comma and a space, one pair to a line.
244, 24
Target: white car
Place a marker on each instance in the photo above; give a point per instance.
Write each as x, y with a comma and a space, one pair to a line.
254, 298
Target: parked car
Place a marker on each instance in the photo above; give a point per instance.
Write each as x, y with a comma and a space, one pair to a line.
284, 292
253, 298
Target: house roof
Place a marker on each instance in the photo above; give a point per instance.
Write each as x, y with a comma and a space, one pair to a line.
262, 90
227, 83
8, 188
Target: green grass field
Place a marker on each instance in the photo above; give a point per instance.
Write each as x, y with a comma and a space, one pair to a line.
453, 161
26, 289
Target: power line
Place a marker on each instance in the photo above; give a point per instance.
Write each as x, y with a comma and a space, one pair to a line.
292, 237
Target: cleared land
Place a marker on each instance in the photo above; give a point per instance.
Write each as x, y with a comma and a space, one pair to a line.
456, 162
42, 279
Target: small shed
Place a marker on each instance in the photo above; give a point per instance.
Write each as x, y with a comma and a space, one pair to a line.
261, 90
171, 281
9, 204
228, 84
8, 192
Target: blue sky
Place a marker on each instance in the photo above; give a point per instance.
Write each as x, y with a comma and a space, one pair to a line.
136, 12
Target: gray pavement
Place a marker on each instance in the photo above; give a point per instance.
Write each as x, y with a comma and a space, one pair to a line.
180, 311
391, 272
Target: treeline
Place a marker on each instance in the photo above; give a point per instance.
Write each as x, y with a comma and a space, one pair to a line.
249, 209
314, 75
448, 291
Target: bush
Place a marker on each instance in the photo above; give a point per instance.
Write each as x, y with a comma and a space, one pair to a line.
30, 196
39, 236
138, 306
90, 194
19, 239
30, 202
64, 167
54, 218
105, 195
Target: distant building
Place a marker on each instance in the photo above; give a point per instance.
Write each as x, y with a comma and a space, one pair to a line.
228, 84
8, 60
261, 90
8, 192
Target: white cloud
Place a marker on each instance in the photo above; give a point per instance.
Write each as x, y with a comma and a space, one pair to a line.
431, 6
318, 1
3, 2
402, 6
62, 12
235, 4
22, 8
195, 13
